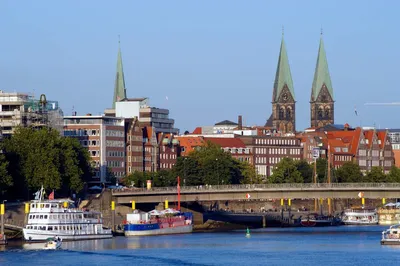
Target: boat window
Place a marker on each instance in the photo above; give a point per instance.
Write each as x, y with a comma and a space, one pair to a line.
41, 205
54, 206
41, 217
35, 227
47, 206
30, 216
50, 228
33, 206
394, 232
45, 217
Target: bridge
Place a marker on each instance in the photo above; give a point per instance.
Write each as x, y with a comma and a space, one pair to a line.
259, 192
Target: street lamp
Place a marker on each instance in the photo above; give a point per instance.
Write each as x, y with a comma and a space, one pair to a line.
217, 169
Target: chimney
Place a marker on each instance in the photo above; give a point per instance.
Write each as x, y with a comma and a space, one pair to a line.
240, 125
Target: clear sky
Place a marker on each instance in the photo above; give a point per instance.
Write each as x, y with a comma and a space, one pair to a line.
213, 59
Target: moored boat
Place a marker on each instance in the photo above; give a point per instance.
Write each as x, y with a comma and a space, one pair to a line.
391, 236
165, 222
53, 243
314, 219
60, 217
389, 214
360, 216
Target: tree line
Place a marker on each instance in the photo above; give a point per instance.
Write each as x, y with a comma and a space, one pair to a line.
208, 165
290, 171
32, 157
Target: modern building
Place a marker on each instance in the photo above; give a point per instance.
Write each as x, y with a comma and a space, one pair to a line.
104, 137
235, 147
21, 109
394, 135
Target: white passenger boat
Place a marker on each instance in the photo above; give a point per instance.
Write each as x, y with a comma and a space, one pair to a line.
59, 217
360, 216
391, 236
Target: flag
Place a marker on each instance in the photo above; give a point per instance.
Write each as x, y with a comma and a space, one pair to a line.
51, 196
166, 97
355, 110
37, 195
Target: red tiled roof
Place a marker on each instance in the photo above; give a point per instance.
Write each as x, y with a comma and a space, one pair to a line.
189, 143
227, 142
197, 131
382, 137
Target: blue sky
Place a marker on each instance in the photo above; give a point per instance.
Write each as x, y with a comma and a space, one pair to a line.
213, 59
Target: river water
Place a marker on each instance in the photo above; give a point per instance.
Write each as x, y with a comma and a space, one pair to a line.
342, 245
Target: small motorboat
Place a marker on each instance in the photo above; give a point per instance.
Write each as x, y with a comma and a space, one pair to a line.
53, 243
248, 235
391, 236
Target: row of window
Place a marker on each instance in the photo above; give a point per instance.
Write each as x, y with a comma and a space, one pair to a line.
86, 143
115, 143
115, 164
135, 159
240, 150
375, 153
115, 133
343, 158
76, 227
278, 151
166, 165
115, 154
56, 216
135, 138
81, 132
269, 141
373, 163
168, 156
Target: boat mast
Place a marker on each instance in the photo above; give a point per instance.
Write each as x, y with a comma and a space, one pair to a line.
329, 178
179, 194
315, 182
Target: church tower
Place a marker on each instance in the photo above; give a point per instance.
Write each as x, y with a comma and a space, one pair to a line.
119, 87
283, 99
322, 103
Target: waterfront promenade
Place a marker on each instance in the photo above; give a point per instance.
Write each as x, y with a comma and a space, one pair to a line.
259, 192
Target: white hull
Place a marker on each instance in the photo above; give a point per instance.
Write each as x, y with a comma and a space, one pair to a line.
41, 235
164, 231
361, 222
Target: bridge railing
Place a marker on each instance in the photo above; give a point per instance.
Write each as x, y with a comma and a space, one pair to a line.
284, 186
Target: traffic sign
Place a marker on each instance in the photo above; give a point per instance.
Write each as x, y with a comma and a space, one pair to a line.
248, 196
315, 153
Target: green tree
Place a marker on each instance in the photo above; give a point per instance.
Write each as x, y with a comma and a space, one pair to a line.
349, 173
394, 175
43, 157
249, 173
305, 170
5, 178
286, 172
376, 175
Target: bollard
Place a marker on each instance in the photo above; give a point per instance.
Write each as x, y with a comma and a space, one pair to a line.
264, 221
383, 201
26, 212
2, 212
166, 204
65, 204
282, 202
289, 202
113, 215
329, 206
133, 205
362, 201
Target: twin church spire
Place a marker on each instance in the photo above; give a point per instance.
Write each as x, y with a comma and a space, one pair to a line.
283, 116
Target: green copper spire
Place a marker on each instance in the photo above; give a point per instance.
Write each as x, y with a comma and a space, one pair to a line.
119, 88
321, 76
283, 76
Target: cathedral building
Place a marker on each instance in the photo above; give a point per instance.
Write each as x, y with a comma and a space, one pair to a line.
322, 103
283, 116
